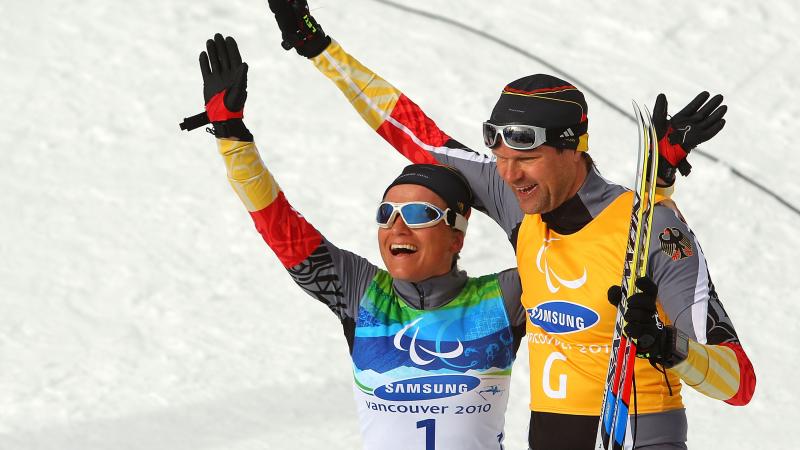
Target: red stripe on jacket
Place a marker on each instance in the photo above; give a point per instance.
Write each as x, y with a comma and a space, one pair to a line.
287, 232
747, 377
539, 91
421, 126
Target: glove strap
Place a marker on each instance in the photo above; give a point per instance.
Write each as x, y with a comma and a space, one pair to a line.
196, 121
677, 344
684, 167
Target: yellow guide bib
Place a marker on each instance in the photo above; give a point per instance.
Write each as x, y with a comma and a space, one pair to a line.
570, 323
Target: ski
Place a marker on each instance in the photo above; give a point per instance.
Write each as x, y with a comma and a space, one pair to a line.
613, 424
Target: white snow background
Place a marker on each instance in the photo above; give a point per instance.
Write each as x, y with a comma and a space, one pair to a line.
139, 308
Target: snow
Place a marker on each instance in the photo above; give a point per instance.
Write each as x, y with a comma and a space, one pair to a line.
140, 310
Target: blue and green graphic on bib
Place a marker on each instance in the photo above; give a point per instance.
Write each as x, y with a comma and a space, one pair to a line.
404, 354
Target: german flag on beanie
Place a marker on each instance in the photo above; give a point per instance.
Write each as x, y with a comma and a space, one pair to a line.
548, 102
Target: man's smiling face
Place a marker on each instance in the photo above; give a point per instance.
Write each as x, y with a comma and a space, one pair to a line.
542, 178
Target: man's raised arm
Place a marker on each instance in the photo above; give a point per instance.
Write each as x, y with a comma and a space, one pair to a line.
394, 116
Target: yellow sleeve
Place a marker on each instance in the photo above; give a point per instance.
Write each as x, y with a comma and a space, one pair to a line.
710, 369
247, 174
372, 96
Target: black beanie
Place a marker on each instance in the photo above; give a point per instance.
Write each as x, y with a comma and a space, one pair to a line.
547, 102
447, 182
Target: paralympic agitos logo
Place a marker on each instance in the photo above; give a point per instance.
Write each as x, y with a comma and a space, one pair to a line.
550, 275
413, 346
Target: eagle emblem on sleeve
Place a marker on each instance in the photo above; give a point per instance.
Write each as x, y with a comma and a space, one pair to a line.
675, 244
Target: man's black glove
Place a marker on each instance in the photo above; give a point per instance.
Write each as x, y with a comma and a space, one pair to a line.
696, 123
299, 30
654, 340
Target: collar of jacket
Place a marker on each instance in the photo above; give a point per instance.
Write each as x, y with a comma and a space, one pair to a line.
433, 292
592, 198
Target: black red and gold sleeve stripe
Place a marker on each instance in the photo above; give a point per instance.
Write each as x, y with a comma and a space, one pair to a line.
396, 118
387, 110
287, 233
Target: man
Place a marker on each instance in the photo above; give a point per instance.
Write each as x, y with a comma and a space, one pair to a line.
569, 226
432, 349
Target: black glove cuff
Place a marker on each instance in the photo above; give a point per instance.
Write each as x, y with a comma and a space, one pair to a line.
674, 348
666, 172
233, 128
314, 46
